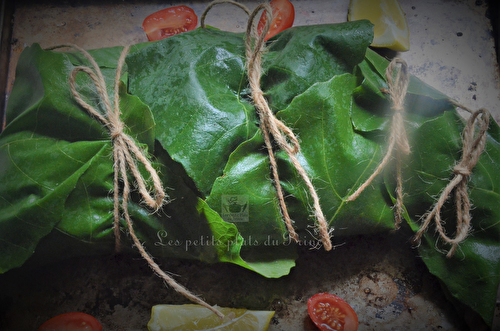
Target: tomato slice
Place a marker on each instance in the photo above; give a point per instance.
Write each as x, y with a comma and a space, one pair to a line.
169, 21
71, 322
329, 312
283, 17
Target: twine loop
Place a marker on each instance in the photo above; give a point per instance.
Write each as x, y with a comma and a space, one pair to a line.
126, 154
273, 127
125, 151
218, 2
473, 145
398, 139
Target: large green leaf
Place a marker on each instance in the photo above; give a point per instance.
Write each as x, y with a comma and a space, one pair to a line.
246, 178
196, 86
302, 56
204, 135
38, 171
333, 155
32, 197
337, 158
192, 83
56, 180
372, 109
472, 275
41, 102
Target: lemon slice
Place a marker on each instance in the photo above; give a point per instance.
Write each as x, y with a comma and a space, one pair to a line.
391, 28
195, 317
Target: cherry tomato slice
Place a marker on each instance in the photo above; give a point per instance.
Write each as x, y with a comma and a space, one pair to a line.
71, 322
283, 17
169, 21
329, 312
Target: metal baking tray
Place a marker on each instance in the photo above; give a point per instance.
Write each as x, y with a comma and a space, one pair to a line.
452, 49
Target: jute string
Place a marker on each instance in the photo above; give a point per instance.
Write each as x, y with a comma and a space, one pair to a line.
473, 146
398, 138
126, 154
271, 126
218, 2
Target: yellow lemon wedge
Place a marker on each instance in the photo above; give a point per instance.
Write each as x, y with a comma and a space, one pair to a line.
195, 317
391, 28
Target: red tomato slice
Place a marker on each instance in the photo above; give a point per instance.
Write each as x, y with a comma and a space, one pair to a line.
71, 322
283, 17
169, 21
329, 312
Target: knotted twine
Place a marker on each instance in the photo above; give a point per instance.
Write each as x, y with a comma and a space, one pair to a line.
473, 146
271, 126
398, 138
125, 155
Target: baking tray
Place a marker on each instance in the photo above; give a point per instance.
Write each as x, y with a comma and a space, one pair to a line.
452, 49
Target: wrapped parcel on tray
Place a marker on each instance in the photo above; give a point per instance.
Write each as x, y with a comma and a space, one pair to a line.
186, 102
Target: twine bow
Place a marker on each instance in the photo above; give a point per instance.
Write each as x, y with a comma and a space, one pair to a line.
125, 155
473, 146
271, 126
398, 139
125, 151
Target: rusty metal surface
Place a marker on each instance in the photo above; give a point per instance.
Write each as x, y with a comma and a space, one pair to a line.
381, 277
